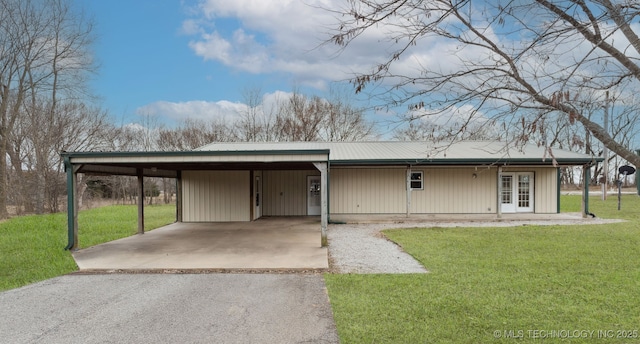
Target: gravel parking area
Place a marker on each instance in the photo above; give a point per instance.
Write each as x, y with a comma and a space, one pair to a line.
362, 249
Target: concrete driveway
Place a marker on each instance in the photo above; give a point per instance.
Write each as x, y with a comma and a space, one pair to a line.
268, 243
169, 308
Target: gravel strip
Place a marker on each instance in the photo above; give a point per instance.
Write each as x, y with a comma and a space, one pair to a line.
362, 249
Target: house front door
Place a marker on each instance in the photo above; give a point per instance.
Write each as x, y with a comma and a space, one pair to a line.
313, 195
257, 198
517, 192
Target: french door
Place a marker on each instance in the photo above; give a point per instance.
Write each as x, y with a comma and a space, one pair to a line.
516, 194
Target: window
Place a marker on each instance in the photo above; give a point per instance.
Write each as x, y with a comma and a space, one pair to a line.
507, 191
524, 191
416, 180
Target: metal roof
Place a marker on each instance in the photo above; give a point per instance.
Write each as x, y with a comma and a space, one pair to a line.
301, 155
416, 152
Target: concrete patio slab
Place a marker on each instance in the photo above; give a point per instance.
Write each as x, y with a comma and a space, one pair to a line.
268, 243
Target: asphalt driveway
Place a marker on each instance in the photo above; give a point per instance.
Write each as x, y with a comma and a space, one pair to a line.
169, 308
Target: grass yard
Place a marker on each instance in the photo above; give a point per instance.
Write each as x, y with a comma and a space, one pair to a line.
32, 247
530, 284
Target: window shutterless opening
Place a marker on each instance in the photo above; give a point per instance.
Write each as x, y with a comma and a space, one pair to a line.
416, 180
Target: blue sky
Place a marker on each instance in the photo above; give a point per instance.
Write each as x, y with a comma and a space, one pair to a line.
178, 59
144, 57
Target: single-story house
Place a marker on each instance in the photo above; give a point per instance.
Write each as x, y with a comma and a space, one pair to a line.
245, 181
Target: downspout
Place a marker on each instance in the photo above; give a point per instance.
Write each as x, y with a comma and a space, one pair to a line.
71, 203
585, 192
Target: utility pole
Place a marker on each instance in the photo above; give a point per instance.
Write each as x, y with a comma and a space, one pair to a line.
605, 152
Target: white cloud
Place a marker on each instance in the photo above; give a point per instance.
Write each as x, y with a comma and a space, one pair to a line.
291, 36
451, 117
190, 27
274, 36
226, 111
195, 109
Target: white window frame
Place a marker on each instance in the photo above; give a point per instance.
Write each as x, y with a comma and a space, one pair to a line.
421, 180
514, 206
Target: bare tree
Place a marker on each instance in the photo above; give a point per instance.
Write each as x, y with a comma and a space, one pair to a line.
303, 118
510, 61
300, 118
256, 121
343, 121
43, 55
191, 134
447, 126
35, 146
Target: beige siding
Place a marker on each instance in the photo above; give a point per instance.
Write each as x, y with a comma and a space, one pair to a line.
368, 191
545, 188
285, 192
455, 191
211, 196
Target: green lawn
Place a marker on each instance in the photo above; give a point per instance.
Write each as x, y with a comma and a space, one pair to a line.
486, 284
32, 247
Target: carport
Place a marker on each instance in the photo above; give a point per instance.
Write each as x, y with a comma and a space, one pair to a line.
245, 164
287, 243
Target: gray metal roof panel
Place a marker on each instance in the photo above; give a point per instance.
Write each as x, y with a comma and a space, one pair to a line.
414, 151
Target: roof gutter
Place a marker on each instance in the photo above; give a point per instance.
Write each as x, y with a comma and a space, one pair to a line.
458, 162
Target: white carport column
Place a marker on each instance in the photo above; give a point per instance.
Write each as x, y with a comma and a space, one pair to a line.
324, 203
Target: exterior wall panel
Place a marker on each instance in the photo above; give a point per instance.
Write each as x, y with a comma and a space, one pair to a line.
455, 191
367, 191
285, 192
216, 196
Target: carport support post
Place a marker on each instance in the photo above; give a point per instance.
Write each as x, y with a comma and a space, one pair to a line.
408, 182
324, 211
179, 196
499, 198
140, 174
72, 205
